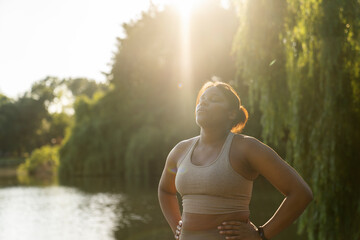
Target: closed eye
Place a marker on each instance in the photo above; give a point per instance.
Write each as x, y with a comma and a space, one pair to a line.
215, 99
212, 98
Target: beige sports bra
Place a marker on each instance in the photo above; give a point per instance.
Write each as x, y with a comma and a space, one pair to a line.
215, 188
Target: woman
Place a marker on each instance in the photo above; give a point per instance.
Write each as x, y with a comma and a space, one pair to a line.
214, 174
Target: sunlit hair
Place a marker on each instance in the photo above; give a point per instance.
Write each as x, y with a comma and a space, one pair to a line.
234, 102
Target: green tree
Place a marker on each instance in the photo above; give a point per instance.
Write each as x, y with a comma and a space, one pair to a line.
7, 116
58, 124
325, 65
261, 65
43, 162
83, 86
130, 129
26, 124
311, 98
20, 121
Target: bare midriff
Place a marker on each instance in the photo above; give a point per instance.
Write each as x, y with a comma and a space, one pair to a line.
199, 222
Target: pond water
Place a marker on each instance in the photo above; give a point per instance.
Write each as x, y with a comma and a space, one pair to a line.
102, 208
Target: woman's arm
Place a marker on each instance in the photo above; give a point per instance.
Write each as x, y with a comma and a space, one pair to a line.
167, 191
281, 175
265, 161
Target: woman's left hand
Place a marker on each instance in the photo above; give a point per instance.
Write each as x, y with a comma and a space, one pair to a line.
239, 230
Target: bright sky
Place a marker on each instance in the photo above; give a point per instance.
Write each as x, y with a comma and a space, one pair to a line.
64, 38
61, 38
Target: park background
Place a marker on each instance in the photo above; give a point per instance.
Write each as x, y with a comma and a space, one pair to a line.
81, 158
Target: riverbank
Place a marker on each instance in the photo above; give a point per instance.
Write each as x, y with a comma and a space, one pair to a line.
8, 166
6, 172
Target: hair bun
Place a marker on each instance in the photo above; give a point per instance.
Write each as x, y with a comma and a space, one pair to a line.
243, 118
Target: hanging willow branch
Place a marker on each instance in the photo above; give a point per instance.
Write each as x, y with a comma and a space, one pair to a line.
318, 104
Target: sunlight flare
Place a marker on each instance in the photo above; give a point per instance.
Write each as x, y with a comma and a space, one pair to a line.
185, 9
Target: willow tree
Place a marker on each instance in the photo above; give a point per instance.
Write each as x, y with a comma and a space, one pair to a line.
261, 63
318, 107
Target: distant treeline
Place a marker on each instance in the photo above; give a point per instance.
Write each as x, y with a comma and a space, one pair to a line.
26, 122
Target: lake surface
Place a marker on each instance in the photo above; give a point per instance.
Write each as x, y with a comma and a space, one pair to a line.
102, 208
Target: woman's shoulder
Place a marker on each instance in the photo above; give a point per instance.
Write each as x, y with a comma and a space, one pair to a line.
252, 148
240, 153
247, 142
184, 144
243, 137
181, 148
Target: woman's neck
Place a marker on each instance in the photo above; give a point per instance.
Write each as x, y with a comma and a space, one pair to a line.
213, 136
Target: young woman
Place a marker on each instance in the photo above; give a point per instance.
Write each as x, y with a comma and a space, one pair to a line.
214, 174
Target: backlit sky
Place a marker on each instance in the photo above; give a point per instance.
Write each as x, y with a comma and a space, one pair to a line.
61, 38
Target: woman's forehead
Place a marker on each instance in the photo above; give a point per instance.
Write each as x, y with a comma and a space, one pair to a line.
212, 91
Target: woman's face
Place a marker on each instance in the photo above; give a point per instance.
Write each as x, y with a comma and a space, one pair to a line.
213, 109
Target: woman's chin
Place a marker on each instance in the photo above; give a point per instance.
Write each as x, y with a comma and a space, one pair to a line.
203, 122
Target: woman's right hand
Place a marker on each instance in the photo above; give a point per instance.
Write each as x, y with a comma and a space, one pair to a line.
178, 230
239, 230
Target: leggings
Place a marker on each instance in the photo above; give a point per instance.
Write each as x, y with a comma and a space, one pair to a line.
211, 234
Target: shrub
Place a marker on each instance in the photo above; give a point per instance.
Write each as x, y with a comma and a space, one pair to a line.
43, 162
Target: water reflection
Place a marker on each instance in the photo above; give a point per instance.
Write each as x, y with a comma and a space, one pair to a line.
80, 208
102, 208
57, 213
141, 217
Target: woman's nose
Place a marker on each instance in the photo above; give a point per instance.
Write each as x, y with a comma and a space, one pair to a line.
203, 103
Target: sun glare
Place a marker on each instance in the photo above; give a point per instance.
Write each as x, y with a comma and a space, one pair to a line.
184, 7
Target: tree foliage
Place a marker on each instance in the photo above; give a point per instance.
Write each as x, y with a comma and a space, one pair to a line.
83, 86
311, 99
20, 122
261, 64
43, 161
27, 123
131, 128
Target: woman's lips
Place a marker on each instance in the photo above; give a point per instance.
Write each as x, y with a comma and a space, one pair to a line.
200, 110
